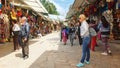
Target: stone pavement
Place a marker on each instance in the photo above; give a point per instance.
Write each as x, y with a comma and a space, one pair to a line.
49, 52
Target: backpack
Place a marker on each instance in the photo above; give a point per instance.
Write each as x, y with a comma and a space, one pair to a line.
92, 31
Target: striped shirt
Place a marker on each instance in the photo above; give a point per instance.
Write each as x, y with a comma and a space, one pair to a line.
105, 32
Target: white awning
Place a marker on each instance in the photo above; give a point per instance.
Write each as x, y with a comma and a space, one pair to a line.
35, 5
21, 5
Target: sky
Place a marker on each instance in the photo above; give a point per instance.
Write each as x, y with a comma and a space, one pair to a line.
62, 6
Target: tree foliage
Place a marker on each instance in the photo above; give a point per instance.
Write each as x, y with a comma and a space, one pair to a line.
50, 7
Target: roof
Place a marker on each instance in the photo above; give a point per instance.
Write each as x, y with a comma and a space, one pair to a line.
35, 5
81, 4
74, 7
32, 4
77, 3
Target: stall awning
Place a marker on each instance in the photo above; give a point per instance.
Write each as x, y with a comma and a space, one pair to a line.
81, 3
32, 4
74, 7
77, 3
21, 5
70, 13
78, 6
35, 5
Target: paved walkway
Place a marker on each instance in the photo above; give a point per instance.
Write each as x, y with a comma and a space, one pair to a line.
49, 52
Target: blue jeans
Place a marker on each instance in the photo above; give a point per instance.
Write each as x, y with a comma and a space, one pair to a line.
85, 49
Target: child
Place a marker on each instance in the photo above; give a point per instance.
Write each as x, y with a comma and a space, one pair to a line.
64, 36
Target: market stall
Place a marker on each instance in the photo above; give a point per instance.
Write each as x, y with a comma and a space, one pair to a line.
94, 9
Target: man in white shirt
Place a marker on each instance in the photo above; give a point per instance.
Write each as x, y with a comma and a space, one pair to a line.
86, 40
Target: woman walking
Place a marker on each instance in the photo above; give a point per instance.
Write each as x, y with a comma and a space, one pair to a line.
105, 33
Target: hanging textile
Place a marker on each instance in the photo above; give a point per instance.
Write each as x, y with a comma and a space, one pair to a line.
19, 12
111, 5
2, 31
0, 4
108, 15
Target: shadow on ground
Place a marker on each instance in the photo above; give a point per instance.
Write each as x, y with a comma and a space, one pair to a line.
7, 48
67, 57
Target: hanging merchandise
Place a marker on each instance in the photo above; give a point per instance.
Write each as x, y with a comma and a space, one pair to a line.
109, 0
13, 14
11, 5
118, 4
118, 1
0, 4
91, 9
19, 12
103, 6
108, 15
0, 11
111, 5
2, 31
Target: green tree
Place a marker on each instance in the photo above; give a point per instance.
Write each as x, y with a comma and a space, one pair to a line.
50, 7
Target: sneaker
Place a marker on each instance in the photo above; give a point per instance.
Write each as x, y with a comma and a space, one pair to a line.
26, 57
109, 52
71, 45
80, 65
87, 62
104, 53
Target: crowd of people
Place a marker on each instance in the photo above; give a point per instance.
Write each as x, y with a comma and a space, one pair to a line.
87, 32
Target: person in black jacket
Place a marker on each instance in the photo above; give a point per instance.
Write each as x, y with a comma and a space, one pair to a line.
72, 34
78, 33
